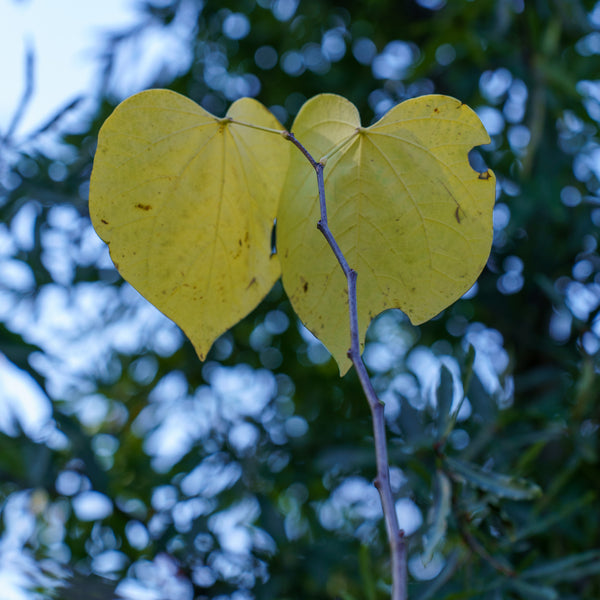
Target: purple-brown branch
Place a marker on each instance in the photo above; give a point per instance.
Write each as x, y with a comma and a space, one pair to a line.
382, 482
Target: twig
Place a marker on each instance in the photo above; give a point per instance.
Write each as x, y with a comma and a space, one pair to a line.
476, 547
382, 482
473, 544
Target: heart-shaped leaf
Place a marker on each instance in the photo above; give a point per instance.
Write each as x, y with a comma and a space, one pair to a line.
411, 216
186, 202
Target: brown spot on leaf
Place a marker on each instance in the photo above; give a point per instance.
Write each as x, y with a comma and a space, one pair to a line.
143, 206
104, 221
486, 175
458, 214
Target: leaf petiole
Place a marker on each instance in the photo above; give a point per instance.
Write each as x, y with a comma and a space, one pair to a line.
323, 160
253, 126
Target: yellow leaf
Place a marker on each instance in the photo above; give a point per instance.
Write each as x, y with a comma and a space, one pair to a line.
411, 216
186, 202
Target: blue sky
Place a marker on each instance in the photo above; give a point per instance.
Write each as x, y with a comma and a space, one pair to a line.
65, 36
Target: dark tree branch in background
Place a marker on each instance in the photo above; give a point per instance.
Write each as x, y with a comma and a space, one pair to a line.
54, 119
25, 98
382, 482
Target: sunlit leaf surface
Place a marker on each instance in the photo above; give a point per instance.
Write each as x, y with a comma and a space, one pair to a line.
410, 214
186, 202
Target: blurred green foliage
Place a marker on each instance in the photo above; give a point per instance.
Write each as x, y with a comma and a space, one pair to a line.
249, 476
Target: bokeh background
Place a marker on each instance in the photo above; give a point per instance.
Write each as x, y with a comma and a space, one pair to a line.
128, 469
